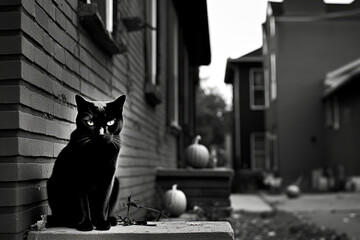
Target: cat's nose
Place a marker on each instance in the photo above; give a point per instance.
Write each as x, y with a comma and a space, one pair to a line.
101, 131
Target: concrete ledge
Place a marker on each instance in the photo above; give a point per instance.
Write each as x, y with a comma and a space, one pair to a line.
163, 230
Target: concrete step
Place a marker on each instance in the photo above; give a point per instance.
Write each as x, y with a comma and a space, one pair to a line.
199, 230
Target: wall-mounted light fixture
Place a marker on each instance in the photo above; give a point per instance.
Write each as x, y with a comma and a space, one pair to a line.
135, 24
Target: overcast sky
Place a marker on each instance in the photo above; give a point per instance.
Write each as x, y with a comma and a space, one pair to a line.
235, 30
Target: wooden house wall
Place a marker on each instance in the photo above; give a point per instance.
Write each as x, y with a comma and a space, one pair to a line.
342, 144
321, 46
46, 58
251, 121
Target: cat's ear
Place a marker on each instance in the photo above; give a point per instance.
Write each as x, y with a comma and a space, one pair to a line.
118, 104
80, 102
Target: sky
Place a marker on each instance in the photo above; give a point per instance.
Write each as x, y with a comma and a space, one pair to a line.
235, 30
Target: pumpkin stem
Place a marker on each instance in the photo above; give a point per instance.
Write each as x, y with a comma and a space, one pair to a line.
197, 139
174, 187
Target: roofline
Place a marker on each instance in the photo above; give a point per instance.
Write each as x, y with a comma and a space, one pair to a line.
325, 16
341, 76
246, 59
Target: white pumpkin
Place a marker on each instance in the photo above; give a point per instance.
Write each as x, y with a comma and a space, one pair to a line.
175, 201
293, 191
197, 155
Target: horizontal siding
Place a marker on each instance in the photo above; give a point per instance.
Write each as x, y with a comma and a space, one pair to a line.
46, 59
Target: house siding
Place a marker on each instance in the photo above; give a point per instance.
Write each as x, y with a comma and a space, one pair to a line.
342, 147
299, 120
46, 58
251, 121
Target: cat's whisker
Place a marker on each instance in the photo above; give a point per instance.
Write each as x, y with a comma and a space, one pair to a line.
115, 142
83, 140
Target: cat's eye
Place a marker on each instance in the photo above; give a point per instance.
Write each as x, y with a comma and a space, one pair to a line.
90, 122
111, 122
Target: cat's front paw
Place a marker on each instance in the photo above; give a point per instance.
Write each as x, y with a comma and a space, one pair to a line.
103, 225
113, 221
85, 225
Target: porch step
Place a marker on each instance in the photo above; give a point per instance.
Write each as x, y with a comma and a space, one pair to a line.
202, 187
163, 230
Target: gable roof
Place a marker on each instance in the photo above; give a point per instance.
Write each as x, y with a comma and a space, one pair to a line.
252, 57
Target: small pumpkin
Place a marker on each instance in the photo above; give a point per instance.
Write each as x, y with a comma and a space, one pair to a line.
175, 201
293, 191
197, 155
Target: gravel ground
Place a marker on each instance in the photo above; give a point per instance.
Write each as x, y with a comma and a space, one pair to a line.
279, 225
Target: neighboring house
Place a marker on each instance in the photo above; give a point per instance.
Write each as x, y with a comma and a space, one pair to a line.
303, 40
249, 103
342, 117
51, 50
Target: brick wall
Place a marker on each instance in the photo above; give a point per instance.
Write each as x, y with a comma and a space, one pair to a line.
46, 58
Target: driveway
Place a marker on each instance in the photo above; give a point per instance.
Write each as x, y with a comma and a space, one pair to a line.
339, 211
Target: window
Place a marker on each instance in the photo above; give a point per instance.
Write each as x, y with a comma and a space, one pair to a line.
151, 19
258, 100
105, 9
174, 70
152, 93
97, 17
271, 147
332, 111
273, 87
258, 153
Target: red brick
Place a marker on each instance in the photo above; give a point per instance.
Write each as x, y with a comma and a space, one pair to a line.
73, 4
9, 119
10, 2
48, 6
41, 17
29, 6
21, 219
71, 79
54, 68
10, 147
74, 18
59, 53
72, 30
28, 49
20, 195
10, 44
71, 46
10, 20
9, 94
72, 63
31, 28
60, 18
85, 57
65, 8
48, 44
84, 71
41, 58
57, 33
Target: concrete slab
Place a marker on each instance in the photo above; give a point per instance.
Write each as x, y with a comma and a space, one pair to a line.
249, 203
163, 230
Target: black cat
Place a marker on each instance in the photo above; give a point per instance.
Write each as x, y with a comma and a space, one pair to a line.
82, 189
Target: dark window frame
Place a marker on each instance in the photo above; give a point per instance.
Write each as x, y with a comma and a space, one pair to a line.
92, 21
152, 48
